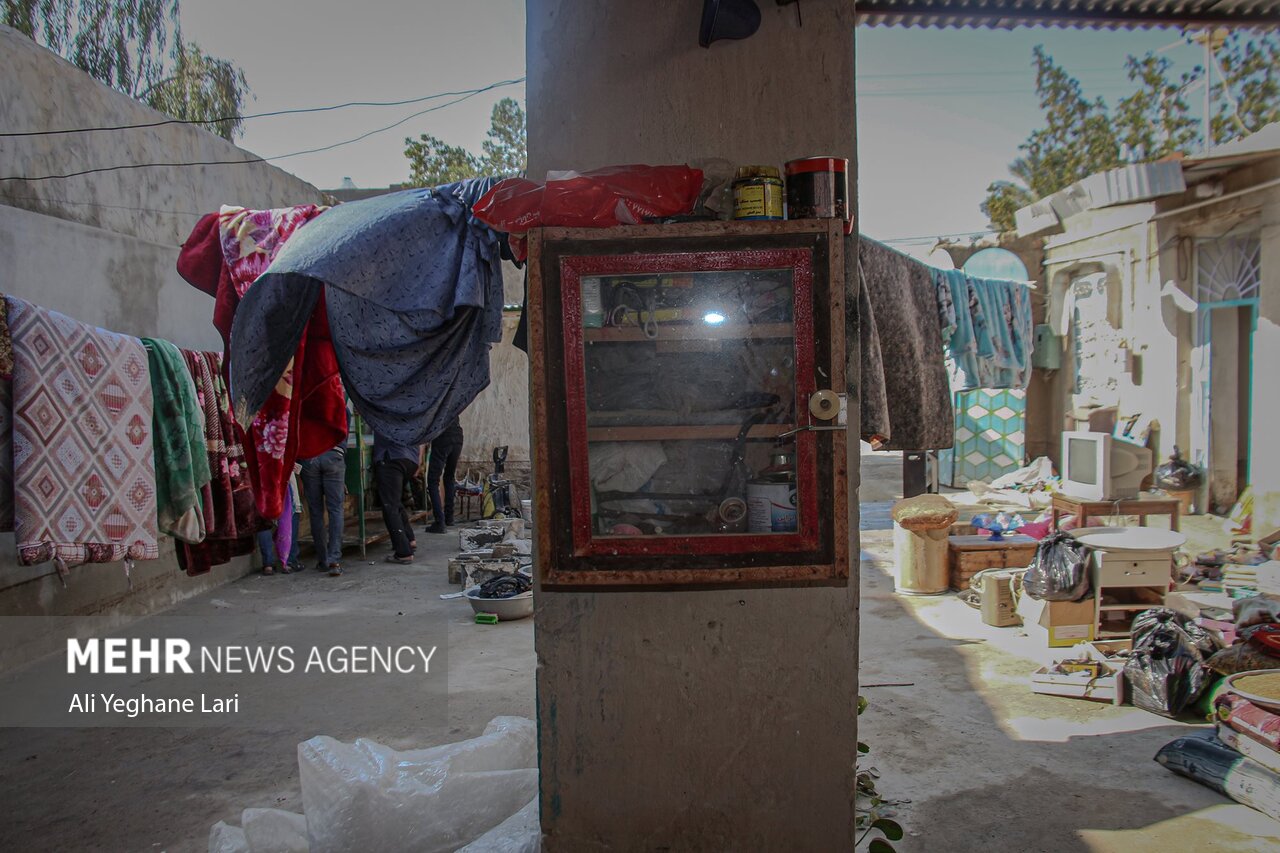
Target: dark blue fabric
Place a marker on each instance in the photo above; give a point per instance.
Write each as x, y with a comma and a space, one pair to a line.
385, 450
413, 286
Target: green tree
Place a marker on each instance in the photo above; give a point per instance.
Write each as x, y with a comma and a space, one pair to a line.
433, 162
136, 47
1082, 136
1156, 120
1251, 99
506, 149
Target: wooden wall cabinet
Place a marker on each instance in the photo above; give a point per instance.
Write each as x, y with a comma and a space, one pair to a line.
688, 404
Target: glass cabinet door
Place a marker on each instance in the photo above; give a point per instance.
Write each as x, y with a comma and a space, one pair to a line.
688, 381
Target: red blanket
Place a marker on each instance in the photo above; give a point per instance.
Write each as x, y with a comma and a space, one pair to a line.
307, 414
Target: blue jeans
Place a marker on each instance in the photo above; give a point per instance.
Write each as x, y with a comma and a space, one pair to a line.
324, 481
267, 544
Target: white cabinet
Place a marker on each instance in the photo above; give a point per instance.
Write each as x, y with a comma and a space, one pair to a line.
1124, 584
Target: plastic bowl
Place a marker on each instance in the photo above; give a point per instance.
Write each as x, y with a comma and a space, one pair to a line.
506, 609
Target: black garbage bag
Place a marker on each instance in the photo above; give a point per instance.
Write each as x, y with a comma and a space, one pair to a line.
1166, 671
1178, 474
1059, 571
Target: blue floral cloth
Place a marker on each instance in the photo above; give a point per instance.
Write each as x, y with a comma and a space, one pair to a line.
413, 289
986, 329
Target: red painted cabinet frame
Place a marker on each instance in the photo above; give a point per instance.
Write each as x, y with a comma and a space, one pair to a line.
568, 554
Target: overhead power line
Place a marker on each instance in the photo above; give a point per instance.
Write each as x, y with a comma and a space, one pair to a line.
245, 161
297, 111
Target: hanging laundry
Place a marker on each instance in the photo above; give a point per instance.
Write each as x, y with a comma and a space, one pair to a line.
6, 420
305, 414
84, 467
989, 338
182, 463
231, 520
900, 322
413, 287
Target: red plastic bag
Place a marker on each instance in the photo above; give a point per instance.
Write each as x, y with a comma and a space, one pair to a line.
614, 195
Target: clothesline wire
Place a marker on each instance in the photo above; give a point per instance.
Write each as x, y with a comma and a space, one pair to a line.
297, 111
922, 238
254, 159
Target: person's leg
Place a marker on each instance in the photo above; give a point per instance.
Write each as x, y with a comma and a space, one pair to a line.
312, 485
334, 478
293, 548
390, 479
409, 470
267, 548
451, 482
435, 467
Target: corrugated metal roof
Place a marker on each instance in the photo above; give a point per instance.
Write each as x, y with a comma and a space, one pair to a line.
1098, 14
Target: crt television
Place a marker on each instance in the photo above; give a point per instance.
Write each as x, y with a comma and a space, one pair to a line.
1096, 467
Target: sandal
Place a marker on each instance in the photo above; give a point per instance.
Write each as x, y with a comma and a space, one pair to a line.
401, 561
335, 570
268, 570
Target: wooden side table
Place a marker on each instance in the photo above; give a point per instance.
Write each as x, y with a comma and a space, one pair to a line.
968, 555
1084, 509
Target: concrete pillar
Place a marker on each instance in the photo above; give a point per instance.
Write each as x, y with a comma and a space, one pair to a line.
716, 719
1264, 458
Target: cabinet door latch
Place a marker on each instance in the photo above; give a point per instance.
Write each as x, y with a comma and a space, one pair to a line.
825, 406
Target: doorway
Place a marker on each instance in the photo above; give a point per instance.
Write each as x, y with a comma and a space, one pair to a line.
1228, 276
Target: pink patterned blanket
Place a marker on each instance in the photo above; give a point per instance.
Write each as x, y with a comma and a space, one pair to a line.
83, 466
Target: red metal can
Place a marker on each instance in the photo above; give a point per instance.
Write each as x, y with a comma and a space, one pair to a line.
818, 188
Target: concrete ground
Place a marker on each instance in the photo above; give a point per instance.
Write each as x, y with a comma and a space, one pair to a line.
982, 762
988, 765
116, 789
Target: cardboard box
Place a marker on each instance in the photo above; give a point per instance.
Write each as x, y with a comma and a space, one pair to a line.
1068, 622
1106, 686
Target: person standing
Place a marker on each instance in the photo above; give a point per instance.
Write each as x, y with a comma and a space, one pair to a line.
392, 464
271, 558
446, 448
324, 481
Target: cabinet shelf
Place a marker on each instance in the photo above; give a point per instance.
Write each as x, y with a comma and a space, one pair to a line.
690, 332
708, 432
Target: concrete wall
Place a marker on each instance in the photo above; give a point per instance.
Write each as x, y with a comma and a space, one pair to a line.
499, 415
102, 248
1140, 248
1121, 312
694, 720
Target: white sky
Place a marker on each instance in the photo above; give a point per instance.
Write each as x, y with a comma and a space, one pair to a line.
940, 113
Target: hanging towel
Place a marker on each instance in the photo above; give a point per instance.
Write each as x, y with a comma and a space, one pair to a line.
231, 519
903, 305
413, 290
84, 468
305, 414
989, 345
6, 420
182, 463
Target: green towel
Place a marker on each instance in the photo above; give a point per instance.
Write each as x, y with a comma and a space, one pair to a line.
182, 462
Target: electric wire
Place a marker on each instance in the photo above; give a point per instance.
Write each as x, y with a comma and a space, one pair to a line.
297, 111
254, 159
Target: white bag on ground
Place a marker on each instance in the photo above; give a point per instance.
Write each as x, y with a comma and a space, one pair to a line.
367, 796
275, 831
520, 833
225, 838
